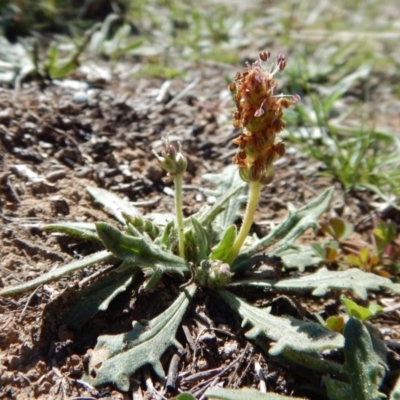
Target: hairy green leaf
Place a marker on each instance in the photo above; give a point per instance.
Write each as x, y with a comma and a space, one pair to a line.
58, 272
323, 280
113, 204
286, 332
201, 243
264, 283
361, 362
116, 357
82, 230
136, 250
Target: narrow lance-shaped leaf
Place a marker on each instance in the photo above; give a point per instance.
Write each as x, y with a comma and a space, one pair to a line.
201, 240
113, 204
286, 332
81, 230
117, 357
58, 272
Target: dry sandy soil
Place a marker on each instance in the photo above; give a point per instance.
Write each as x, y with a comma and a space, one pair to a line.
58, 138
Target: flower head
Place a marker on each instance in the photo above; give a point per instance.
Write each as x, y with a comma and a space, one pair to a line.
259, 113
214, 273
171, 159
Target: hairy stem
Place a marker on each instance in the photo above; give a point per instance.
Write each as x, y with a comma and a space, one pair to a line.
254, 195
179, 214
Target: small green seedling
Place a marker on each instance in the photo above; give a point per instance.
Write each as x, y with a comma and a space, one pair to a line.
353, 310
329, 252
381, 256
362, 313
338, 228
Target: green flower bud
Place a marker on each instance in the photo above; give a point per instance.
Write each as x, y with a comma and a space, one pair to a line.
171, 160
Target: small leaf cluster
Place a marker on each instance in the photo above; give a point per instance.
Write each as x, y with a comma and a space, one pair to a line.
381, 255
353, 310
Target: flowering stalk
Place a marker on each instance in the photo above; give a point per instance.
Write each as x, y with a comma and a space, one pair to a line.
175, 164
252, 202
259, 113
179, 214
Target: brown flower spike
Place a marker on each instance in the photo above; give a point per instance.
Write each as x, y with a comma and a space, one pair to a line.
259, 113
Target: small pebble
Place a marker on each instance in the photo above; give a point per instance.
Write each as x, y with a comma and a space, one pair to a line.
56, 175
80, 98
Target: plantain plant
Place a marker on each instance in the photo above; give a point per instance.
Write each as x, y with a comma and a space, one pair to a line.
207, 251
